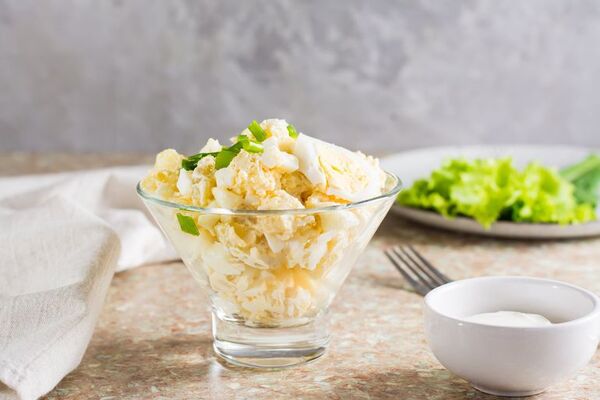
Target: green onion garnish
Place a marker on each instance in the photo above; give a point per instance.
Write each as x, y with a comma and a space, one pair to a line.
236, 147
224, 158
191, 162
253, 147
187, 224
257, 131
292, 131
188, 164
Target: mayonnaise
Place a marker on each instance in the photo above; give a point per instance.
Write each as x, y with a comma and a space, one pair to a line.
509, 318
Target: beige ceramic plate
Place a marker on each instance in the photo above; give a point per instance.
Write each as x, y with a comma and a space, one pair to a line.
415, 164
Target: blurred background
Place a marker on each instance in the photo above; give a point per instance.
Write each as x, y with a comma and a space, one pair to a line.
141, 75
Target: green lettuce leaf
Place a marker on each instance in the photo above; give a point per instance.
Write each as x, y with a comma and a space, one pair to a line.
488, 190
585, 175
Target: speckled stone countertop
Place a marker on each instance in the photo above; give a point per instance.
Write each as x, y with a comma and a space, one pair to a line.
153, 338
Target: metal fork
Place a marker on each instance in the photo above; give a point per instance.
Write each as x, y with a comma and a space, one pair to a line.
419, 272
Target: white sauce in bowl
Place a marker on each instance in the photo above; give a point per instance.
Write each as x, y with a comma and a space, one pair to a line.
509, 318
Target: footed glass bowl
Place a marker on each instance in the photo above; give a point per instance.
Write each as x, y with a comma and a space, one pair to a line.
271, 274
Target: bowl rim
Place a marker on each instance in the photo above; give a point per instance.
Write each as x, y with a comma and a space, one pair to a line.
594, 313
397, 186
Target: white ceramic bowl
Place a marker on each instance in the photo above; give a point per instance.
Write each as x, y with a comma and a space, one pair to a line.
510, 361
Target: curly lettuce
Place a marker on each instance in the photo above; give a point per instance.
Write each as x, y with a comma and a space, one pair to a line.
488, 190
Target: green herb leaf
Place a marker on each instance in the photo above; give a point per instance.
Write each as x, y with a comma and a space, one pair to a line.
292, 131
224, 158
257, 131
187, 224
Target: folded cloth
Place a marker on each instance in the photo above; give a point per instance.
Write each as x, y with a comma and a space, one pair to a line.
62, 236
107, 193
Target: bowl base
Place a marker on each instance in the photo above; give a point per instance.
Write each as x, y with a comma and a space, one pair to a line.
270, 348
266, 359
516, 393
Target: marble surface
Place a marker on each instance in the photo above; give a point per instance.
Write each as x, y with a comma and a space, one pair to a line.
141, 75
153, 337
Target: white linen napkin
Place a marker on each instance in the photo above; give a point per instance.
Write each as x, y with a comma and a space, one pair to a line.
62, 236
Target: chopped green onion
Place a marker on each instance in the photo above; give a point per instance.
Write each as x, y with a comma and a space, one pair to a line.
235, 147
224, 158
241, 142
249, 145
253, 147
292, 131
187, 224
190, 163
257, 131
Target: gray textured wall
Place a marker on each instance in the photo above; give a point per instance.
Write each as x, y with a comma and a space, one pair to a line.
140, 75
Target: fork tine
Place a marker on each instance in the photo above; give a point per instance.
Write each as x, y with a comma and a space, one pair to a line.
419, 288
423, 268
434, 270
399, 265
414, 268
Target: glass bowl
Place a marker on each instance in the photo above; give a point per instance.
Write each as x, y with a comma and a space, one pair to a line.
271, 274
